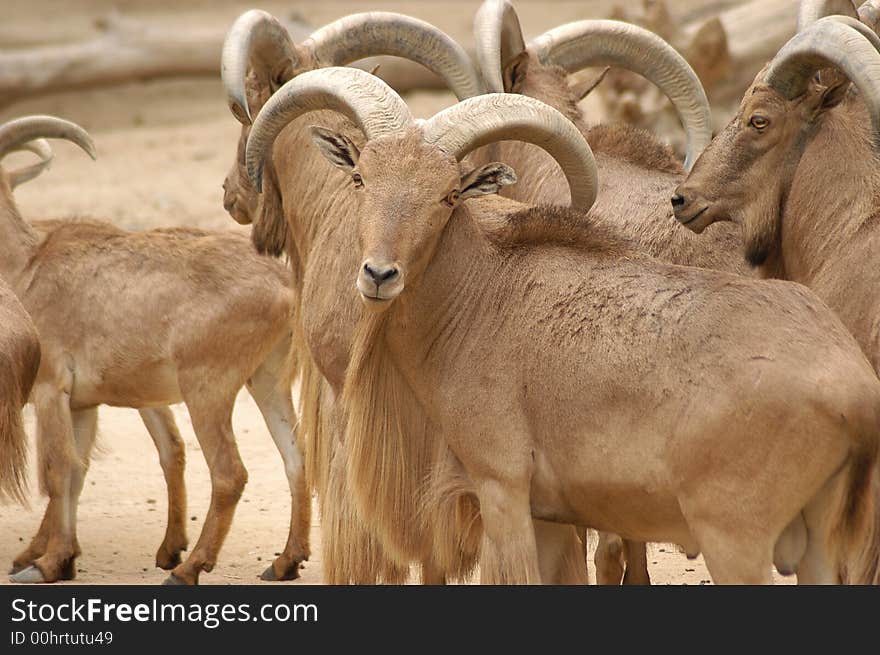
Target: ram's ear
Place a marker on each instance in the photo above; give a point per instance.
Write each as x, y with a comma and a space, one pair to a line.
337, 148
514, 72
486, 180
826, 90
582, 89
270, 232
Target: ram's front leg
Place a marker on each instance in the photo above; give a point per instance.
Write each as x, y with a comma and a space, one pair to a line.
172, 456
508, 554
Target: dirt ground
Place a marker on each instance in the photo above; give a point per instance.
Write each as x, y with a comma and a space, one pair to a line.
164, 149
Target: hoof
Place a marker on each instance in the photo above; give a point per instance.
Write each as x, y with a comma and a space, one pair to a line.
291, 574
18, 567
173, 580
168, 562
28, 575
68, 571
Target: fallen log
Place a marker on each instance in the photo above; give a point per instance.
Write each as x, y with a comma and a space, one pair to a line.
125, 50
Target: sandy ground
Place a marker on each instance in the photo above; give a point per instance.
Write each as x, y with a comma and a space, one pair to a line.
164, 149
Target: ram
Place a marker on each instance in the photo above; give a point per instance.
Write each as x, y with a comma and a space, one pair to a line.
797, 168
576, 380
145, 320
291, 215
19, 350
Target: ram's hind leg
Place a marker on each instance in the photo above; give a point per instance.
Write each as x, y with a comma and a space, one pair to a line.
636, 555
609, 559
212, 423
160, 423
737, 547
818, 565
560, 554
272, 396
85, 429
51, 553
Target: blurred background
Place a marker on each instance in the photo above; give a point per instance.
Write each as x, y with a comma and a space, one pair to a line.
142, 76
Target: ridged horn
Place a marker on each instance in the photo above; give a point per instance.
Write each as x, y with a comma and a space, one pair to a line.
577, 45
828, 43
494, 117
42, 149
859, 26
810, 11
256, 39
498, 39
363, 98
15, 134
386, 33
869, 13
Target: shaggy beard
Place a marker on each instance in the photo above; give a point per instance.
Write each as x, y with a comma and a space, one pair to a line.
761, 235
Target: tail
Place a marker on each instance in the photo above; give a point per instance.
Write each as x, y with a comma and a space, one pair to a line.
855, 541
13, 444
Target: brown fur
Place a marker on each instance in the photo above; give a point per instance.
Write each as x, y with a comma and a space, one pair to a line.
387, 441
552, 224
352, 553
450, 505
634, 146
855, 540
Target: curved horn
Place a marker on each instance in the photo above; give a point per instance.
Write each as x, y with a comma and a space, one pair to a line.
385, 33
858, 25
614, 43
363, 98
15, 134
498, 39
869, 13
257, 38
828, 43
503, 116
812, 10
41, 149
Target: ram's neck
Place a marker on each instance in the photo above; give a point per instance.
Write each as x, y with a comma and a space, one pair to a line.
429, 331
18, 238
830, 224
832, 205
312, 190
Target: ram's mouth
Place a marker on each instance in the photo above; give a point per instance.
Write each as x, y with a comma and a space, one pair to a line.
378, 295
688, 221
376, 300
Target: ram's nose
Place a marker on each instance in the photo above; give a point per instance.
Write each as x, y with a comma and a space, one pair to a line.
228, 198
690, 209
379, 274
379, 281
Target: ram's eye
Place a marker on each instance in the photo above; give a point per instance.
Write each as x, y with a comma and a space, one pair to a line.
759, 122
358, 180
452, 198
